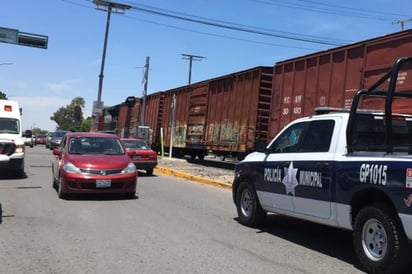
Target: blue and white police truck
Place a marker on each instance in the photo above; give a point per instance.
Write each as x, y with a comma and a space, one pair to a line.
12, 149
350, 169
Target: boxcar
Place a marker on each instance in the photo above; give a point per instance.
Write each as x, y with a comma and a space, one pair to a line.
224, 115
331, 78
154, 116
232, 114
129, 118
184, 111
238, 112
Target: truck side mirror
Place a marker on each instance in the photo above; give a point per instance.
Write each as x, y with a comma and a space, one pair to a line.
259, 146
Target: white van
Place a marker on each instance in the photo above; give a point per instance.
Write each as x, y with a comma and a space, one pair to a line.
11, 141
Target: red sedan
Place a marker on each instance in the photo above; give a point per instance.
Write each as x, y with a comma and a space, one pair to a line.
40, 139
141, 154
87, 162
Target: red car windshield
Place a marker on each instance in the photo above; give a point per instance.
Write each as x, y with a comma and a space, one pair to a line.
95, 145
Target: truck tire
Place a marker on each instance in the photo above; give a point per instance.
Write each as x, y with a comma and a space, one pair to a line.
379, 240
20, 172
249, 210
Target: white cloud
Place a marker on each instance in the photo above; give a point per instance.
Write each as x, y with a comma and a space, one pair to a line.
40, 102
38, 110
63, 85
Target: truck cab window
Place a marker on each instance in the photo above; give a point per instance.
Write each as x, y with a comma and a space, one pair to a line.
289, 140
318, 136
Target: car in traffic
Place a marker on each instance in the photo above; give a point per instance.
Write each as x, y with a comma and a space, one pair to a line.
90, 163
40, 139
141, 154
56, 138
48, 139
28, 138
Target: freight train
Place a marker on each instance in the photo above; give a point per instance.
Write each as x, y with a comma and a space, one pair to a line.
233, 114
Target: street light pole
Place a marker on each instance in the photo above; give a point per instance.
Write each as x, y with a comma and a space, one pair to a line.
101, 76
109, 7
172, 125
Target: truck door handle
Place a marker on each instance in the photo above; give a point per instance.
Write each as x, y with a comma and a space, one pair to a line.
322, 165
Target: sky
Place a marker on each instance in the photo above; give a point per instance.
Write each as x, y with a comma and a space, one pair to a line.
230, 35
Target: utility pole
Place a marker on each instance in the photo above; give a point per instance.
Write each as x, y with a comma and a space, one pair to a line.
191, 58
401, 22
109, 7
145, 79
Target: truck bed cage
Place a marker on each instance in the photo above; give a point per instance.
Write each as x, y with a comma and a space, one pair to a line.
378, 132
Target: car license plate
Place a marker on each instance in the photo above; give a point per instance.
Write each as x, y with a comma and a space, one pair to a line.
103, 183
136, 157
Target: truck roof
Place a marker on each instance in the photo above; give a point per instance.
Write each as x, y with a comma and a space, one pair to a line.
9, 109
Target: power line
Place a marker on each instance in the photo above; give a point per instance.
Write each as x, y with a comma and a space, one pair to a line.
367, 11
203, 32
313, 6
326, 8
241, 28
225, 22
218, 35
234, 26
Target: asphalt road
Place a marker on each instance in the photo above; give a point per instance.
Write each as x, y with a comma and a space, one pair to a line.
173, 226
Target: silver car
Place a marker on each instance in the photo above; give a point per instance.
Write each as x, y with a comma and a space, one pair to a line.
56, 138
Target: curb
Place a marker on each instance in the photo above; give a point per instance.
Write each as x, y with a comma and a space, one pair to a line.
192, 177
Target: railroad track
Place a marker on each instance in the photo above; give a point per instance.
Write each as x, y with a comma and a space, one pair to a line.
214, 162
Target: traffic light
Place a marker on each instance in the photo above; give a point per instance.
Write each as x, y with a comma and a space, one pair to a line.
32, 40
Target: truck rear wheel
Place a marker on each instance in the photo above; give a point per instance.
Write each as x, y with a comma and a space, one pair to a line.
249, 210
379, 241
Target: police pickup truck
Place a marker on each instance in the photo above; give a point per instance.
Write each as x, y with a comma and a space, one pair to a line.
347, 169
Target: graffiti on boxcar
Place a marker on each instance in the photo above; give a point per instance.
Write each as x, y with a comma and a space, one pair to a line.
195, 130
179, 135
230, 132
223, 134
195, 134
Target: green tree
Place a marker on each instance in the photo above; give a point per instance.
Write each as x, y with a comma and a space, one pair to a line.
71, 116
3, 95
86, 124
37, 131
